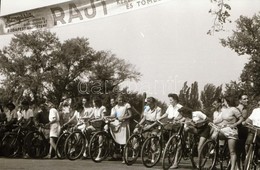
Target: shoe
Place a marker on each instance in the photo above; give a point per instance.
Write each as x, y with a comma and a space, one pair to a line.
152, 161
98, 159
26, 156
174, 166
123, 162
48, 157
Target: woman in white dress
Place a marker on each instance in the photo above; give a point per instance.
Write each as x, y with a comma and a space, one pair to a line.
119, 128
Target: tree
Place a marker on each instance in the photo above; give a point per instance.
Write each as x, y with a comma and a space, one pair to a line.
221, 15
25, 61
39, 65
246, 41
189, 96
208, 95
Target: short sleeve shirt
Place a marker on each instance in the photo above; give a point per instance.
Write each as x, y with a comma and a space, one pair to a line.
172, 112
255, 117
198, 115
152, 115
26, 114
120, 111
98, 112
54, 114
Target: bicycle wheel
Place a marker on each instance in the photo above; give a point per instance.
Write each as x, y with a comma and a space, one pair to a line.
208, 155
151, 151
249, 158
194, 151
224, 155
132, 149
35, 144
170, 151
99, 146
60, 151
11, 145
75, 145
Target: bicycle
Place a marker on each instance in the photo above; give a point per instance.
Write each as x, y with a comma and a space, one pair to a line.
133, 147
13, 142
212, 154
102, 144
251, 161
153, 147
60, 151
36, 145
187, 148
76, 143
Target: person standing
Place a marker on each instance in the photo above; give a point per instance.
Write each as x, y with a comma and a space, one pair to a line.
253, 119
172, 115
54, 124
230, 119
242, 131
26, 115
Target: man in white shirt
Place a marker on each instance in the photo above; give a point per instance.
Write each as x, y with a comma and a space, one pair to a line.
26, 114
253, 119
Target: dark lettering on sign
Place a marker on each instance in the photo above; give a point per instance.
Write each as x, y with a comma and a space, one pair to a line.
93, 7
72, 8
58, 15
74, 12
18, 18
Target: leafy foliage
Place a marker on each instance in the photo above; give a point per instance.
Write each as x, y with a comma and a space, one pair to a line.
208, 95
221, 14
189, 96
38, 65
246, 41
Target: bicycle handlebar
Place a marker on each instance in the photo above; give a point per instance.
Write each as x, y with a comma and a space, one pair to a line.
250, 126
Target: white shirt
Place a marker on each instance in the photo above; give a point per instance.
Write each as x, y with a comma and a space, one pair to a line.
172, 112
255, 117
54, 114
198, 115
152, 115
98, 112
26, 114
120, 111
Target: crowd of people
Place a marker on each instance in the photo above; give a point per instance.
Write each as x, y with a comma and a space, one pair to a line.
89, 115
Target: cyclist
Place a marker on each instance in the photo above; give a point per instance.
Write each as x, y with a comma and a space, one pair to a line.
11, 115
99, 112
228, 122
119, 128
253, 119
25, 115
172, 114
148, 122
196, 123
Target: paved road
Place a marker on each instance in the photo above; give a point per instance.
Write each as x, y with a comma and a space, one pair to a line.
56, 164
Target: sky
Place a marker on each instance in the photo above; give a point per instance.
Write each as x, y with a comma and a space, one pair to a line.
167, 43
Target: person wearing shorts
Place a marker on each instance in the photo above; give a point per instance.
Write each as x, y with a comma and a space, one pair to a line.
228, 122
54, 124
196, 123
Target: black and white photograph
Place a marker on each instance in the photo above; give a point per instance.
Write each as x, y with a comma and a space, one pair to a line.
130, 84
